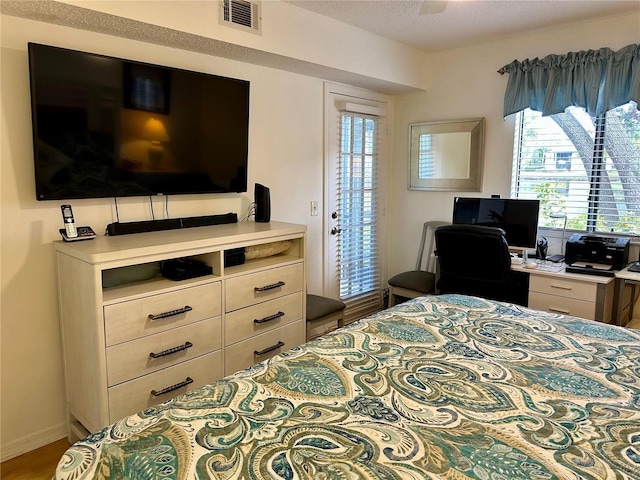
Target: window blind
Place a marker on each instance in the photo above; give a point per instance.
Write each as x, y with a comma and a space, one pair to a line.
358, 253
587, 168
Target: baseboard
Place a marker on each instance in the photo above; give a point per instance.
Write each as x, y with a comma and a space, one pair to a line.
32, 441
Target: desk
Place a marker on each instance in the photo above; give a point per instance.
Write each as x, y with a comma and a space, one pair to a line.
626, 278
586, 296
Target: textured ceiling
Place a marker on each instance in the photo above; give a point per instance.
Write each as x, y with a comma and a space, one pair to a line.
462, 22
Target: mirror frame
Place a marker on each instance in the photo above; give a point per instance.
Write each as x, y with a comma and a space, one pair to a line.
475, 159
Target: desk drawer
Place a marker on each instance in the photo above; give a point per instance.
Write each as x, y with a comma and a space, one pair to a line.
136, 395
243, 354
129, 320
261, 286
563, 305
133, 359
247, 322
574, 289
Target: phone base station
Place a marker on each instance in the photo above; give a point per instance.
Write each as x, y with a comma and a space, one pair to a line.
84, 233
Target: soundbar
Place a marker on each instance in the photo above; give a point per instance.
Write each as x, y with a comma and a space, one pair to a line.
118, 228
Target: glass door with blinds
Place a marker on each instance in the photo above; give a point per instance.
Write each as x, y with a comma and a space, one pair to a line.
354, 234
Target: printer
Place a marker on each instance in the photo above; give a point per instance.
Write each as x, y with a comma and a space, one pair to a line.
596, 255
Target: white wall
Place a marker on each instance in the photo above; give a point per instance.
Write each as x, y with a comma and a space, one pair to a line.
285, 153
287, 31
465, 84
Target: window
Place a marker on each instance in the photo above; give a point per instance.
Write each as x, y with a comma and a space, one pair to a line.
587, 168
563, 160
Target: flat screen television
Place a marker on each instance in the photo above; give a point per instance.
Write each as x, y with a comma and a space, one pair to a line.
109, 127
517, 217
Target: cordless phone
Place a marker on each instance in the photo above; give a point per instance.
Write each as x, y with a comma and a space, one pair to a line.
70, 233
69, 222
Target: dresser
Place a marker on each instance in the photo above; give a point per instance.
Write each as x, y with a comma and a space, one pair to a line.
133, 338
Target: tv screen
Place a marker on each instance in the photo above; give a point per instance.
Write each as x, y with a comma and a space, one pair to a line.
108, 127
517, 217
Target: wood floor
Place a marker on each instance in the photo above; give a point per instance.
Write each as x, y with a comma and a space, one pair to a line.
39, 464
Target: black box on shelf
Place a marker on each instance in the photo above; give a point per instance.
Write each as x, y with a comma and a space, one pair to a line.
184, 268
234, 256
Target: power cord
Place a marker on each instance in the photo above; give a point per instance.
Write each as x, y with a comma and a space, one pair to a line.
115, 203
153, 214
251, 212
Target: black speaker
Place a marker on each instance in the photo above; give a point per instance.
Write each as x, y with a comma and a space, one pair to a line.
262, 198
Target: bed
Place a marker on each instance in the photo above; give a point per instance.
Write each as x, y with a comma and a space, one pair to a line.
441, 387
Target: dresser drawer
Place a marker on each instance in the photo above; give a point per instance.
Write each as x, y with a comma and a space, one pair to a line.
563, 305
261, 347
136, 395
250, 321
133, 319
258, 287
149, 354
564, 288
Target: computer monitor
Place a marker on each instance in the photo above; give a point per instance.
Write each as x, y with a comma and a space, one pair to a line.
517, 217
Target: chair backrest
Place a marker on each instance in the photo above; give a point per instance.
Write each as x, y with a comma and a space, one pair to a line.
473, 260
428, 246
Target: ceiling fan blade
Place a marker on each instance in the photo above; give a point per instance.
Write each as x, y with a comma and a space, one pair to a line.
430, 7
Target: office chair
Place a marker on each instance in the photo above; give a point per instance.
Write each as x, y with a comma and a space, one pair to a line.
474, 260
418, 282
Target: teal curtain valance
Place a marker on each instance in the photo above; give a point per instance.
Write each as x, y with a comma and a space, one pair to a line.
596, 80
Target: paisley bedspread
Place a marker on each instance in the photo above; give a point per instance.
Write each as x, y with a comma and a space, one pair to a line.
442, 387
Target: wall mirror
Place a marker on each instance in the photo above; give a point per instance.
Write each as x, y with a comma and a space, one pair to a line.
446, 155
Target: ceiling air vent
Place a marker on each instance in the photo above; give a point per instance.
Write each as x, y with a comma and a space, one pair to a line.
241, 14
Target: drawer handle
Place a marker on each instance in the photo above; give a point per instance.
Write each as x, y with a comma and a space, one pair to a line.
559, 310
269, 349
170, 313
561, 287
169, 351
270, 287
186, 382
269, 318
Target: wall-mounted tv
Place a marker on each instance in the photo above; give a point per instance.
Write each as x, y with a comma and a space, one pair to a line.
517, 217
109, 127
